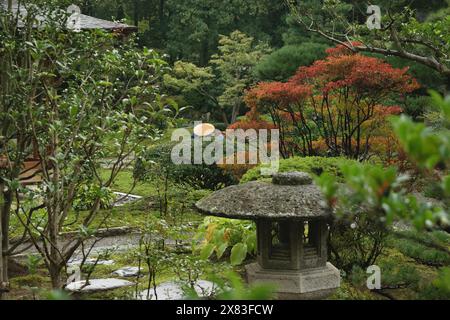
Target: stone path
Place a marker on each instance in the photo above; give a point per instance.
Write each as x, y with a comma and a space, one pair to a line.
124, 198
97, 285
172, 290
119, 243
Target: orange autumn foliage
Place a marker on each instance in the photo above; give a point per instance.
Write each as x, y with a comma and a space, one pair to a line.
334, 106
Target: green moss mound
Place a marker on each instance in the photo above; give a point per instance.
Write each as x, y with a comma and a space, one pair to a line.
313, 165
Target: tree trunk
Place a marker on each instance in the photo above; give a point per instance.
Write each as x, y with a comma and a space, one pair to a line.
162, 20
1, 242
136, 12
55, 275
225, 118
235, 112
5, 206
204, 52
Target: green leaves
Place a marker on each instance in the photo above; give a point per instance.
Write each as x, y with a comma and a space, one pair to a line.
220, 250
207, 251
233, 288
329, 187
238, 254
425, 146
220, 234
421, 143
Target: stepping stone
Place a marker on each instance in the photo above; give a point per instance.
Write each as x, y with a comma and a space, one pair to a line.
172, 290
97, 285
127, 272
77, 262
123, 198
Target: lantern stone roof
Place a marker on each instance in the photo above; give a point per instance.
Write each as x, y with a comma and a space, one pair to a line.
85, 22
290, 196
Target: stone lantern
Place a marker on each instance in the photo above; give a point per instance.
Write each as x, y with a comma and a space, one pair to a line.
292, 228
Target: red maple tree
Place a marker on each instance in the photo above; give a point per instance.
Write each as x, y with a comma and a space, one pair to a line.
335, 101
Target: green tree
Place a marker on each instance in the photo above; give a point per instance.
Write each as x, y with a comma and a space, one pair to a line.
197, 86
404, 33
235, 64
301, 48
283, 63
383, 194
194, 26
74, 99
221, 84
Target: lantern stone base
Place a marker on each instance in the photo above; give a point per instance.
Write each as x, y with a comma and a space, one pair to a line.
317, 283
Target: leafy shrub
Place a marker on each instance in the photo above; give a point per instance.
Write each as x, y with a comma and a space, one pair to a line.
221, 234
32, 263
357, 242
202, 176
156, 162
89, 193
313, 165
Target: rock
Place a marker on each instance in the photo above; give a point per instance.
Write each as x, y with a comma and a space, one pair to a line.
123, 198
103, 232
127, 272
172, 290
96, 285
77, 262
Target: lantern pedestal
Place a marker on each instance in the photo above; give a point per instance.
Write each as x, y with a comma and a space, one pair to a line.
316, 283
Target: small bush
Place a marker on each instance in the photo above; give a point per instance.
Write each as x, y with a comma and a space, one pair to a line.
357, 243
89, 193
221, 235
313, 165
156, 163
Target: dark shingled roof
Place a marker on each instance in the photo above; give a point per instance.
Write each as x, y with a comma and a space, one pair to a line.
86, 22
298, 198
